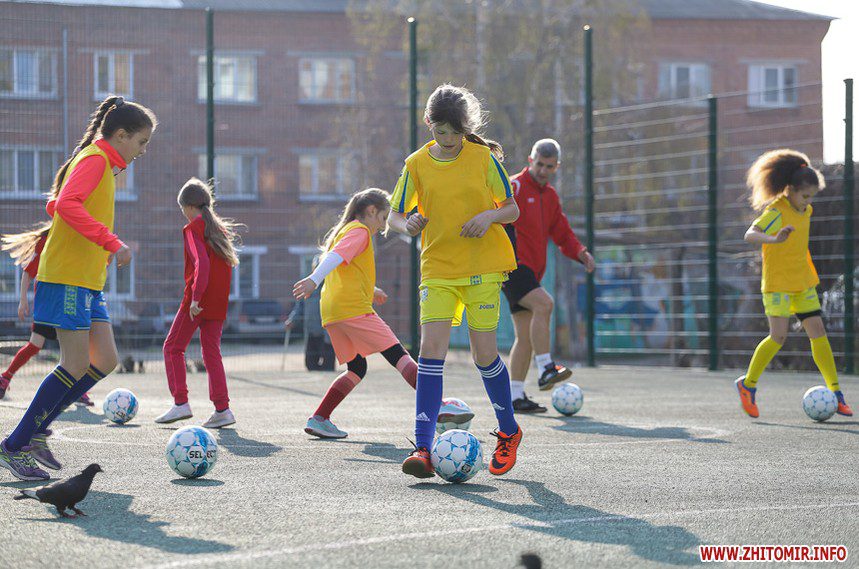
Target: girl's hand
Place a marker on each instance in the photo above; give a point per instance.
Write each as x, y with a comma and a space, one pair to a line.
380, 297
478, 225
783, 234
415, 224
303, 288
123, 256
23, 308
588, 261
195, 309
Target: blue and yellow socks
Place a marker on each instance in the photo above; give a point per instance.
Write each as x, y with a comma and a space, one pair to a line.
496, 380
84, 384
427, 400
54, 388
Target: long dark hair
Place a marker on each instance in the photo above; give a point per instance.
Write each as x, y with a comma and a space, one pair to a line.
112, 114
458, 107
220, 233
357, 205
776, 171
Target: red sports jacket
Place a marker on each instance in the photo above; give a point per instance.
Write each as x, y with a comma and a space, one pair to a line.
540, 217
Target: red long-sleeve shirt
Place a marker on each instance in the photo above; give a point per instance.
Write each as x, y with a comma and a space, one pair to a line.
207, 275
77, 188
540, 217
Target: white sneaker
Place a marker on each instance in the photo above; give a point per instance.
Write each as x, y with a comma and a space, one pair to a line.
176, 413
220, 419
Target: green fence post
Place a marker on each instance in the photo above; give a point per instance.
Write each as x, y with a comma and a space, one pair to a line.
413, 144
849, 235
712, 235
589, 193
210, 93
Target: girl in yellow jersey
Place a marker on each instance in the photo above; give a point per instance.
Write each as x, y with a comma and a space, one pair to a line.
349, 271
463, 196
783, 183
72, 272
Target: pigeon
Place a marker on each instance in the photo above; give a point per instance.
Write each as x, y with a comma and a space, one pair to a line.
64, 494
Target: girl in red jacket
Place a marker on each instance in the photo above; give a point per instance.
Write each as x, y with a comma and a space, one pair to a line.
210, 256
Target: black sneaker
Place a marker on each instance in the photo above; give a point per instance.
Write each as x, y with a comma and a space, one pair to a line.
551, 375
527, 405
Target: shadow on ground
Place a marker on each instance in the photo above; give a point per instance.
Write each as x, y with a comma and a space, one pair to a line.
588, 426
238, 445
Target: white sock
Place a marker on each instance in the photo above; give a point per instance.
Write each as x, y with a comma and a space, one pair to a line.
542, 361
517, 389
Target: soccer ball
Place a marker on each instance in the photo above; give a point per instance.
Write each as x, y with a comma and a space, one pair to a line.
568, 399
453, 406
457, 456
192, 452
120, 406
819, 403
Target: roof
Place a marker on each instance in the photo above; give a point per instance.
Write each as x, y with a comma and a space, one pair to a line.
655, 9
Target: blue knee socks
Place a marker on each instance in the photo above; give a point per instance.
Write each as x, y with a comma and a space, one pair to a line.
496, 380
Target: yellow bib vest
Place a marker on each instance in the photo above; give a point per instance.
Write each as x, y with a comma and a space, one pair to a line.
68, 257
348, 289
449, 195
787, 266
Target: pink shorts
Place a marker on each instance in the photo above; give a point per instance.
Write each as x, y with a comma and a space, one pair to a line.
362, 335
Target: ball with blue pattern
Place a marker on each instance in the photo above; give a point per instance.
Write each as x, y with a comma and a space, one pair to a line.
456, 406
819, 403
456, 456
192, 452
568, 399
120, 406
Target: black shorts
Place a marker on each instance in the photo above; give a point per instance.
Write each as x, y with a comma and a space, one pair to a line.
521, 282
48, 332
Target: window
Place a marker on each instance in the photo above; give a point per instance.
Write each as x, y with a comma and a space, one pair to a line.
27, 172
246, 276
235, 175
10, 278
120, 282
125, 184
326, 173
327, 80
112, 74
684, 80
28, 73
235, 79
772, 85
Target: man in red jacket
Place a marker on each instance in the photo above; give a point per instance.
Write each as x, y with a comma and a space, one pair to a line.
540, 217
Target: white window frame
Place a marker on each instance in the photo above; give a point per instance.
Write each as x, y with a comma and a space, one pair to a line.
350, 61
17, 294
111, 55
16, 93
35, 193
223, 56
256, 251
341, 191
757, 85
242, 154
112, 279
129, 194
697, 91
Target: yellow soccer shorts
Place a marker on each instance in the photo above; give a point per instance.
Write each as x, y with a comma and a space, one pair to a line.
783, 304
481, 302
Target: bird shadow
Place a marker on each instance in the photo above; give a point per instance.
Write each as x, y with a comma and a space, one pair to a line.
83, 415
586, 425
551, 515
197, 482
243, 446
109, 516
828, 427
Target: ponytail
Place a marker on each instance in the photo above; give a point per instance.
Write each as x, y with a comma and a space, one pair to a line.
22, 246
494, 147
220, 233
776, 171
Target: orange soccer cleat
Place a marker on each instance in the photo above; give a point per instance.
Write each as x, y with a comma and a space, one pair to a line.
843, 407
504, 457
747, 397
418, 464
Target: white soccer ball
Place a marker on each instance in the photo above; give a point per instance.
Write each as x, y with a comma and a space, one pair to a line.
568, 399
456, 455
452, 407
819, 403
192, 452
120, 406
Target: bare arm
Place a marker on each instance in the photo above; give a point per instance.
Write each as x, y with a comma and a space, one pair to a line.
754, 234
507, 212
24, 302
411, 226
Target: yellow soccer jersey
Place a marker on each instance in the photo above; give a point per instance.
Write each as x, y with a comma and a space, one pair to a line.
787, 266
449, 194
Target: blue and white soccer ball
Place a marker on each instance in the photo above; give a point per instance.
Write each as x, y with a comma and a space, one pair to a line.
819, 403
452, 407
192, 452
456, 455
120, 406
568, 399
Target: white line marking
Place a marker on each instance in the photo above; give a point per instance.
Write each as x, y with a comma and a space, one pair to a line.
250, 555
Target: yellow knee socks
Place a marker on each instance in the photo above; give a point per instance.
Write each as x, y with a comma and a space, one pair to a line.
821, 351
763, 355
